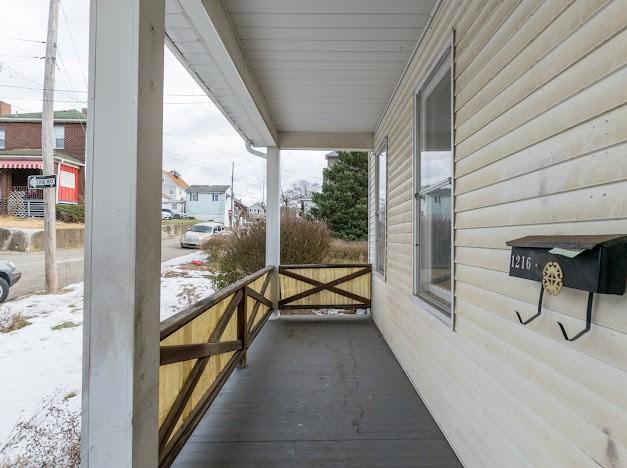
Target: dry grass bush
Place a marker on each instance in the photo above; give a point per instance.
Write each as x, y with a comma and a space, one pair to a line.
342, 251
243, 252
11, 321
50, 439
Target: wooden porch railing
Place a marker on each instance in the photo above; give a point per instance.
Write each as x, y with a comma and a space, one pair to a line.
325, 286
200, 347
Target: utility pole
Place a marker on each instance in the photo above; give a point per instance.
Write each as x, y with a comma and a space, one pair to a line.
232, 195
47, 150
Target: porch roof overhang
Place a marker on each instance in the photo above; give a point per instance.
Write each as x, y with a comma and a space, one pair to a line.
294, 73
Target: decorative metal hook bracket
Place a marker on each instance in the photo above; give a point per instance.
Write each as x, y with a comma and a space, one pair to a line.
532, 318
588, 321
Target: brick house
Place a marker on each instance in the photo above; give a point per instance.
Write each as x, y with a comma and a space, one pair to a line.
20, 157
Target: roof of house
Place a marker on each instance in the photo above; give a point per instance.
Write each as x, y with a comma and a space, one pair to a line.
208, 188
36, 154
178, 180
68, 116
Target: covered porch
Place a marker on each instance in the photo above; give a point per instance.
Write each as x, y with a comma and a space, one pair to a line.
318, 392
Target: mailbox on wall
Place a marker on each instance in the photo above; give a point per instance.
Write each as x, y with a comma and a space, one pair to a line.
593, 263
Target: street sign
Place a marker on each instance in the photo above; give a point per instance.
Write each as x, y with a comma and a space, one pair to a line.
42, 181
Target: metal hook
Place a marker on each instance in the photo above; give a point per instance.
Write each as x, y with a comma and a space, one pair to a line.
531, 319
588, 321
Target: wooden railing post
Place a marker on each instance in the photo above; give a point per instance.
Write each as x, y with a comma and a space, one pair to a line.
242, 329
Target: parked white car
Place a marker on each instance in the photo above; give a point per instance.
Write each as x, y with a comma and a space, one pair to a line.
166, 214
199, 233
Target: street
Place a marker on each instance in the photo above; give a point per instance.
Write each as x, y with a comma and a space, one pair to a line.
70, 266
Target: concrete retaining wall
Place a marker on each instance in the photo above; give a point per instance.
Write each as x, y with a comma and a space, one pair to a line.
32, 240
169, 231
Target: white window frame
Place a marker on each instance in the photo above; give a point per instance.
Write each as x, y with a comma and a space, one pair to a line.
193, 196
436, 66
383, 147
215, 197
3, 140
62, 127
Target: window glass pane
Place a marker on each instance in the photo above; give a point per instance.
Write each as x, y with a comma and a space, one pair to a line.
434, 218
59, 136
435, 246
2, 138
435, 129
381, 209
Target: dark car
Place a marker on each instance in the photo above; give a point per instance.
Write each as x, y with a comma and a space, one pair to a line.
8, 277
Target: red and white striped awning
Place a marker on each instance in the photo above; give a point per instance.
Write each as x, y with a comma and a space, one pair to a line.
20, 164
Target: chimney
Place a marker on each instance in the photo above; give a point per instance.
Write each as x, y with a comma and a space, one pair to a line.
84, 111
5, 108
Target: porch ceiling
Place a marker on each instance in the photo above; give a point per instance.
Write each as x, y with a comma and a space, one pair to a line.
298, 73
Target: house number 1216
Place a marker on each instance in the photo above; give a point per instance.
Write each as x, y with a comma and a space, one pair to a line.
521, 262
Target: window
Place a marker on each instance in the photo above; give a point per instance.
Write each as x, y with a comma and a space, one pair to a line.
215, 197
381, 205
193, 196
59, 136
67, 179
433, 188
3, 138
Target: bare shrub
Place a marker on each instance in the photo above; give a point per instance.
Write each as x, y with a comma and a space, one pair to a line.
243, 252
342, 251
50, 439
11, 321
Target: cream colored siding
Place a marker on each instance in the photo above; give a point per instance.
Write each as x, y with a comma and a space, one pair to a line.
540, 148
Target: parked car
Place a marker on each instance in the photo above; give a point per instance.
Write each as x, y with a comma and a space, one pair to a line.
199, 233
166, 214
180, 215
8, 277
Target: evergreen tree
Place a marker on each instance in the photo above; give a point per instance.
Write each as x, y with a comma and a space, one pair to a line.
343, 202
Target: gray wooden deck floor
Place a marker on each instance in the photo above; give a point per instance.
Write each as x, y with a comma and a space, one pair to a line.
318, 392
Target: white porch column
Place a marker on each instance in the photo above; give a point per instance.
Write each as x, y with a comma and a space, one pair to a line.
273, 215
122, 251
273, 206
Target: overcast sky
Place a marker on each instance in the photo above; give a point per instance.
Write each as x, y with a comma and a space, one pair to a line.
198, 141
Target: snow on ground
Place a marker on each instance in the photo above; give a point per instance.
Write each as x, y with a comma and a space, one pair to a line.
44, 358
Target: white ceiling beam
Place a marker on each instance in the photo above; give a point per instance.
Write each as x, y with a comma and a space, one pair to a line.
215, 30
326, 141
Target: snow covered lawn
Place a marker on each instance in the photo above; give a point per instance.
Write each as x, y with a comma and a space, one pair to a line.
43, 359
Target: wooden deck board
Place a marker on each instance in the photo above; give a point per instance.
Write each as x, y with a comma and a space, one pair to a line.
318, 392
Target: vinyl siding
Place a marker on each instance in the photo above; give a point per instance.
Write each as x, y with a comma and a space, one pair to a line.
540, 148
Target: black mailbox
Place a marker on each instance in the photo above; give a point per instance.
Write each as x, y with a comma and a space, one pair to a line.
593, 263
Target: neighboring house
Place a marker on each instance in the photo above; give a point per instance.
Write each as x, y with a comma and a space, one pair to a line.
20, 157
257, 211
331, 158
209, 202
173, 195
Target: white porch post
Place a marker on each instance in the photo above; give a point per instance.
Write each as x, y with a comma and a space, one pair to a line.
122, 252
273, 212
273, 207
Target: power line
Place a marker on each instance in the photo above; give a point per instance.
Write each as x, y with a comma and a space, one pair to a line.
24, 77
22, 56
233, 154
42, 89
67, 25
85, 92
21, 40
78, 101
